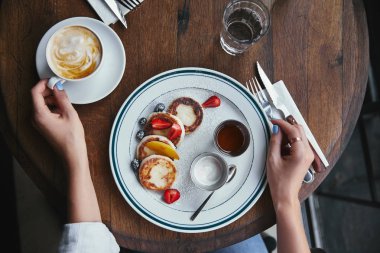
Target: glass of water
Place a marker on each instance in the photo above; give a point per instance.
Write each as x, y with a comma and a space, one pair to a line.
244, 23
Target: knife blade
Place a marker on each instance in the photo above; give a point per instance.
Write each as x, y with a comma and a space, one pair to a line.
277, 103
116, 10
274, 98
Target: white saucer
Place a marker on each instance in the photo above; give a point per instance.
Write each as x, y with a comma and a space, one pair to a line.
109, 74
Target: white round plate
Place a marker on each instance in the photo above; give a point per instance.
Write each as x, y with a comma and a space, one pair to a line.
108, 76
229, 202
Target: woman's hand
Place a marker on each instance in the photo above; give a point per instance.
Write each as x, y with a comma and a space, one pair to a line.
286, 173
56, 119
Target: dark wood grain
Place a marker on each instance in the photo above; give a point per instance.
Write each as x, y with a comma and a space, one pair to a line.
319, 49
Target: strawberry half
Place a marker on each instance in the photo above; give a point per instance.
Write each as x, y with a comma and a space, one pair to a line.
159, 124
213, 101
171, 195
175, 132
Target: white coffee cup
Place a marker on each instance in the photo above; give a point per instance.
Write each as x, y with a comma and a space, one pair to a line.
74, 53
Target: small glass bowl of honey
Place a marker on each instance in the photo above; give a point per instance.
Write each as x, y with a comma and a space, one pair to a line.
232, 137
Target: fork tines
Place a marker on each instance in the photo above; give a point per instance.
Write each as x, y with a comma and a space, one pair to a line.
255, 87
130, 4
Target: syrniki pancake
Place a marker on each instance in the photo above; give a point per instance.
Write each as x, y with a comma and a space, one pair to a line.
164, 132
157, 172
189, 111
143, 151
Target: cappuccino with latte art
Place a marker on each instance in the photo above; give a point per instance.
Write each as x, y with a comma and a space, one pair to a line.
74, 52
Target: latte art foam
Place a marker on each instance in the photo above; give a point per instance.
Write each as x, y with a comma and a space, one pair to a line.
75, 52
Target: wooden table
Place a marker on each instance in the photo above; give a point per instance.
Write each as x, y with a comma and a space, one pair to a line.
319, 48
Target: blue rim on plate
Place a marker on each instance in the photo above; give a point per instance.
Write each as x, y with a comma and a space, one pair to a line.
123, 188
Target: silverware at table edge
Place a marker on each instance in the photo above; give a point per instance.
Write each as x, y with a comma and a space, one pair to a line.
131, 5
116, 10
268, 105
277, 103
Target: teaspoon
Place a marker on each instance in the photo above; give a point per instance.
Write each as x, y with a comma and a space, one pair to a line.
231, 175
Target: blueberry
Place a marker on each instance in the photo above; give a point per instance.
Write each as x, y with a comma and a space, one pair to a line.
135, 164
142, 121
159, 107
140, 134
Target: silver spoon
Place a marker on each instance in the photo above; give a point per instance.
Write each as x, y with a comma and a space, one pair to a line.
231, 175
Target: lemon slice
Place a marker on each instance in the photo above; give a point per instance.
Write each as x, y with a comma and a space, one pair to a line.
161, 148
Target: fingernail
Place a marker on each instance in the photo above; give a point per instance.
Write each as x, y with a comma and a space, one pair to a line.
59, 85
275, 129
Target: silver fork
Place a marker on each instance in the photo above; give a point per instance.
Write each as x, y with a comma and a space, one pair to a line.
130, 4
255, 88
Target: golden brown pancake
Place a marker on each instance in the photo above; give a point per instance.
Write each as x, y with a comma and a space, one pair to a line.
189, 111
157, 172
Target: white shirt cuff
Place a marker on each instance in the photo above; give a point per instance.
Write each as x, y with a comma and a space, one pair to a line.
87, 237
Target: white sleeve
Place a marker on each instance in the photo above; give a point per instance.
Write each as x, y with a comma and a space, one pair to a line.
87, 237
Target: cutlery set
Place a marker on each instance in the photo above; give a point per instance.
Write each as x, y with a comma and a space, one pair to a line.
271, 101
129, 4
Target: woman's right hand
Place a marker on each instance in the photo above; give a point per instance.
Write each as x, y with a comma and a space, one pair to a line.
286, 172
57, 120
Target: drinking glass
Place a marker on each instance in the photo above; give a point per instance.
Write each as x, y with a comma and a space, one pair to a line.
244, 23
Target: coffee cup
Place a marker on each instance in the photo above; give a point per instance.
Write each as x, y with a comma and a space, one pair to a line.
209, 171
73, 53
231, 137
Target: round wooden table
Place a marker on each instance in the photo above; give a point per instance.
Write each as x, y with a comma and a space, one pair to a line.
319, 48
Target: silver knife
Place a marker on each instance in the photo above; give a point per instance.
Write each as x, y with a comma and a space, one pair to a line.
275, 101
116, 10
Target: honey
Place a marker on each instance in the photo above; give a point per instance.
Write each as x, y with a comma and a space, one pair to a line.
230, 138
